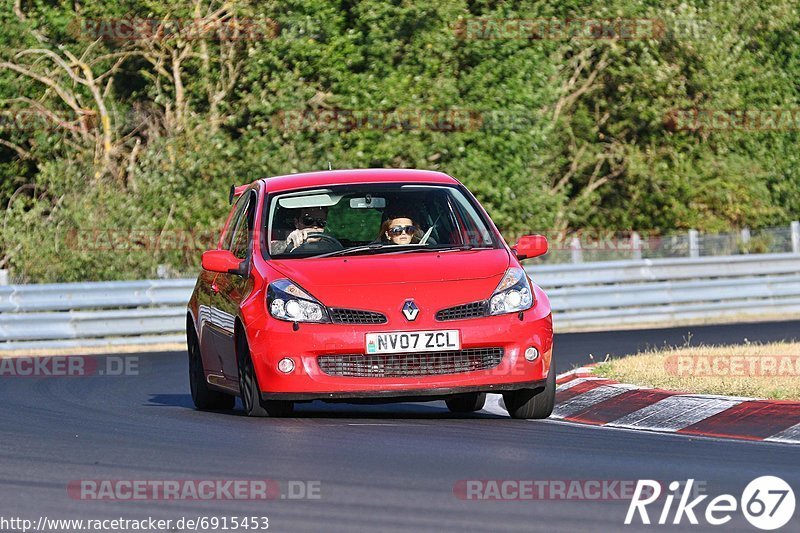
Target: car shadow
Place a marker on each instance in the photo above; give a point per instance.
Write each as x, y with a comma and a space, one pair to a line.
338, 410
170, 400
405, 410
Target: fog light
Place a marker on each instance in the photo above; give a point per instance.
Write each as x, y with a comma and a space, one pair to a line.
531, 354
286, 365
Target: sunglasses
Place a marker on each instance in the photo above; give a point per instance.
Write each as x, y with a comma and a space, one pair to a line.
308, 220
397, 230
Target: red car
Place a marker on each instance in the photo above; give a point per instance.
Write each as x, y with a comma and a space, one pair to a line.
367, 286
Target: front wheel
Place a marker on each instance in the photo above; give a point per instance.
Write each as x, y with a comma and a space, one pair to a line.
532, 403
250, 391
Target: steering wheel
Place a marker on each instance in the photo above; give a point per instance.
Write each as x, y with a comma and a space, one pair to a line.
323, 238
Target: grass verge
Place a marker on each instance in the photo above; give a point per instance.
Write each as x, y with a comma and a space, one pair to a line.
770, 371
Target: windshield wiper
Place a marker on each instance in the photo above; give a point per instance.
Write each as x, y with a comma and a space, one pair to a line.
358, 249
459, 247
399, 249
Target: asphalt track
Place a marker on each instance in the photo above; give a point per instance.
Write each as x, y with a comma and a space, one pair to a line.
379, 468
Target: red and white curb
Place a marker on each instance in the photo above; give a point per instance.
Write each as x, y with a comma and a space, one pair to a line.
585, 398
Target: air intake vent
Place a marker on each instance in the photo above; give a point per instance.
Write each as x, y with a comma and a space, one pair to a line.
410, 364
356, 316
460, 312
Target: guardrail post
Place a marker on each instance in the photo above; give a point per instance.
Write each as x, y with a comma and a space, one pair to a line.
636, 245
577, 253
745, 240
694, 243
796, 237
3, 277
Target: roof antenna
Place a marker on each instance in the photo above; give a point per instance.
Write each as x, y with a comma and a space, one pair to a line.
329, 166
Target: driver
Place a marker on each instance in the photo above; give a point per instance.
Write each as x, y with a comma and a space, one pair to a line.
309, 220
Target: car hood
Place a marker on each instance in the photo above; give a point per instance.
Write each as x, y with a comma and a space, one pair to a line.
383, 282
412, 268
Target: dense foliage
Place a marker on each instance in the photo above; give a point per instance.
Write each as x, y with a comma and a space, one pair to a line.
104, 131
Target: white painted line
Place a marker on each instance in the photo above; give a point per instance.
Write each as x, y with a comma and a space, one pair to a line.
589, 398
577, 381
790, 435
580, 370
675, 412
376, 424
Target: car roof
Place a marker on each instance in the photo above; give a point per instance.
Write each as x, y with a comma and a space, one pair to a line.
344, 177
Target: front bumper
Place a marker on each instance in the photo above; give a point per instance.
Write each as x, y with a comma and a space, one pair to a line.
417, 395
271, 340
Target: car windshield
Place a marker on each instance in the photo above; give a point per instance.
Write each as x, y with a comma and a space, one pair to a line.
374, 219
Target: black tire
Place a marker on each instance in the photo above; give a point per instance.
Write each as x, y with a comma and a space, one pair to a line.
466, 403
250, 392
533, 403
203, 397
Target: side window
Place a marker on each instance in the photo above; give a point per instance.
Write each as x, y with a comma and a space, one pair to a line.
471, 232
227, 237
439, 217
244, 228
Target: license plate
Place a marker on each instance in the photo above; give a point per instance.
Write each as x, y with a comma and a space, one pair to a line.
414, 341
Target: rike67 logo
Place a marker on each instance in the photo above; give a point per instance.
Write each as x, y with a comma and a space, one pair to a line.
767, 502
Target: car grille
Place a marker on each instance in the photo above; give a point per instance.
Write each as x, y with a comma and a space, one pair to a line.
410, 364
459, 312
356, 316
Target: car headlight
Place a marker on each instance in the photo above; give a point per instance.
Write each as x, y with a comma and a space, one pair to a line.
287, 301
513, 294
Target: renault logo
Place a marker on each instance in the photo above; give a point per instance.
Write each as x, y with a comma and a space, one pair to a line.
410, 310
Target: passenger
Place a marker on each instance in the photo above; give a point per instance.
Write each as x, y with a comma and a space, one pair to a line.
400, 230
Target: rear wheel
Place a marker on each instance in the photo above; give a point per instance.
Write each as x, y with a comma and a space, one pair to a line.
203, 397
533, 403
250, 391
466, 403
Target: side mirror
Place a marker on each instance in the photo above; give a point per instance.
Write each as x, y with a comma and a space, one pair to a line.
530, 246
222, 261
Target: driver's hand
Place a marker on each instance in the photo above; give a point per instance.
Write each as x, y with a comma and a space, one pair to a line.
300, 236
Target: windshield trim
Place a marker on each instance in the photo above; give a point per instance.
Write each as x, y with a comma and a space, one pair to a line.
266, 218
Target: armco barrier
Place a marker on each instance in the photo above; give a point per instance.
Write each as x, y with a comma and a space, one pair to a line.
629, 293
611, 294
87, 314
